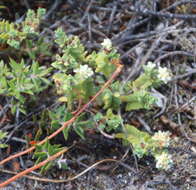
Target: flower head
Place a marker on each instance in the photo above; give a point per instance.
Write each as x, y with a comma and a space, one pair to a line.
163, 161
150, 65
107, 44
83, 72
162, 138
164, 74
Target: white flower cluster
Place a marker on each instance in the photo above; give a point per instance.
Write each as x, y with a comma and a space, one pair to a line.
150, 65
162, 138
164, 74
83, 72
107, 44
163, 161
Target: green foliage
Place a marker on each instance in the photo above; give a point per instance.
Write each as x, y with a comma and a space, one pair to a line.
108, 121
43, 152
103, 63
76, 75
32, 21
17, 35
113, 121
37, 48
139, 95
59, 116
5, 29
2, 136
71, 51
20, 79
61, 38
78, 72
138, 100
139, 140
143, 143
75, 80
145, 80
10, 34
111, 97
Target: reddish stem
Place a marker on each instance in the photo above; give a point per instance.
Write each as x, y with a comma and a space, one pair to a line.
35, 167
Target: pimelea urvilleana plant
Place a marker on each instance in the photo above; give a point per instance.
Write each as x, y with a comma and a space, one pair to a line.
81, 74
77, 75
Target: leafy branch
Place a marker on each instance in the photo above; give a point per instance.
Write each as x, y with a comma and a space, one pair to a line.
82, 81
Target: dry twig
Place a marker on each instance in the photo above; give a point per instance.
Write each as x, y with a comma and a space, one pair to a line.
18, 175
62, 180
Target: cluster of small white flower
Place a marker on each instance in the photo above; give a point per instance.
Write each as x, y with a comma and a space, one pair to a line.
83, 72
163, 161
162, 138
164, 74
150, 65
107, 44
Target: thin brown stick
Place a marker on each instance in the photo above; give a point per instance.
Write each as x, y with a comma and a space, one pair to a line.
37, 166
114, 75
78, 108
62, 180
89, 168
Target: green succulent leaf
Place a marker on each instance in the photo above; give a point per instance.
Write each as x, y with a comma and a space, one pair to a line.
137, 138
138, 100
103, 64
113, 121
43, 152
